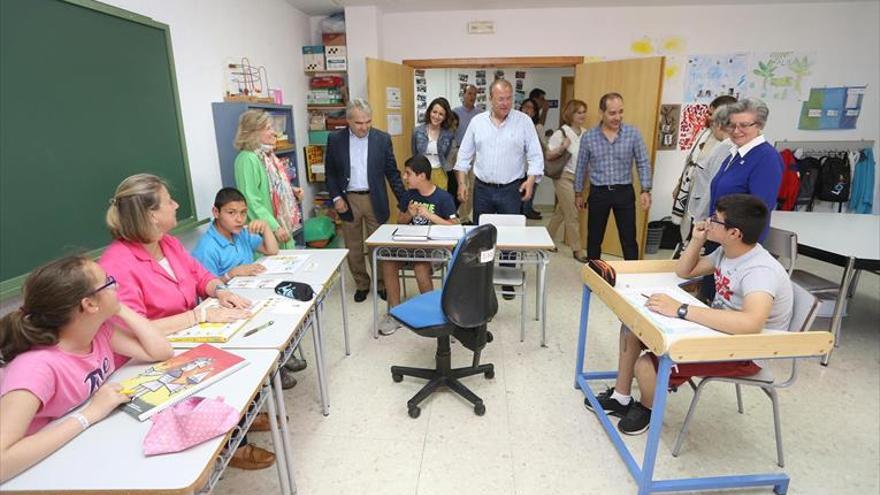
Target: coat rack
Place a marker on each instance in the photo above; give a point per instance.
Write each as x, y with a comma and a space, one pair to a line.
819, 149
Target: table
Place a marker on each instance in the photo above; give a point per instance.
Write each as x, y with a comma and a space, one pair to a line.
531, 242
671, 348
108, 457
850, 241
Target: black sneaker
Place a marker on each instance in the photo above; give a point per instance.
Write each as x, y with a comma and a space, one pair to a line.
611, 406
636, 421
360, 295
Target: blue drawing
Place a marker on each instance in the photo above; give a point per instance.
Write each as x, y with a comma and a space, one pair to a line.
710, 76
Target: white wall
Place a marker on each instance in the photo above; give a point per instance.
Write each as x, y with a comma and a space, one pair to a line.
203, 35
843, 35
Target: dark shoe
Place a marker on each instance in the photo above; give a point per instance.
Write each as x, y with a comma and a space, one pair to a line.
533, 215
636, 421
383, 294
609, 405
360, 295
580, 256
287, 379
508, 292
251, 457
295, 364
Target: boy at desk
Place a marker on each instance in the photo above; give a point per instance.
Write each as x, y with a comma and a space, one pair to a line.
428, 205
753, 292
227, 250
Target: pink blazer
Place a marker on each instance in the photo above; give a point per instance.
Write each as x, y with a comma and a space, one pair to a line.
146, 287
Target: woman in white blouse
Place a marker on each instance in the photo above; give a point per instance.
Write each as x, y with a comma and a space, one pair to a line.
568, 137
433, 138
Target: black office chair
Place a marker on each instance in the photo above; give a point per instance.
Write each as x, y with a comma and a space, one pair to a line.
461, 309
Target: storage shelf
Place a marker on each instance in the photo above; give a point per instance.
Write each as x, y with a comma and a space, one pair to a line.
325, 107
314, 72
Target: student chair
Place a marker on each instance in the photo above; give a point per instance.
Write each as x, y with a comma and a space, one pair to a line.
782, 244
510, 272
461, 308
803, 315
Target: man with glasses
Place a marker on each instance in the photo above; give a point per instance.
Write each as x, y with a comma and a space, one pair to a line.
607, 153
753, 293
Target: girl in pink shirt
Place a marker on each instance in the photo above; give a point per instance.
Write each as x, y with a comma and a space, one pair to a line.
57, 351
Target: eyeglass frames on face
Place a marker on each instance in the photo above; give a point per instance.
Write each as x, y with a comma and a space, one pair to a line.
741, 126
109, 281
715, 219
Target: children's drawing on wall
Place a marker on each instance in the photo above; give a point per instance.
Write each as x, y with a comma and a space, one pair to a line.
667, 127
480, 83
462, 84
780, 75
832, 108
672, 47
710, 76
693, 118
519, 82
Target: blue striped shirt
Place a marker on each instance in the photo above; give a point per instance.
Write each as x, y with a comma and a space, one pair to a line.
610, 162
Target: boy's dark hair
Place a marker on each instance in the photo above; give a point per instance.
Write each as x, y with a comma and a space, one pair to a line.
420, 165
745, 212
722, 100
537, 93
228, 195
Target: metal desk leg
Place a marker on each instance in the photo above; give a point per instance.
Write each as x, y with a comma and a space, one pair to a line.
284, 476
582, 334
837, 316
375, 293
542, 285
318, 339
656, 425
341, 275
285, 434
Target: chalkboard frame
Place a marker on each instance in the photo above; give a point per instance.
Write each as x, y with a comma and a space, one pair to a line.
11, 287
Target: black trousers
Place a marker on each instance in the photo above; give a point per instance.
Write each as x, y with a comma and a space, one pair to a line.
621, 199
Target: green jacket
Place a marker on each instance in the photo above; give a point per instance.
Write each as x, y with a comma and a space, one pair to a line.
252, 181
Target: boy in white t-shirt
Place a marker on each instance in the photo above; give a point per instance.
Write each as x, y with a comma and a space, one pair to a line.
752, 293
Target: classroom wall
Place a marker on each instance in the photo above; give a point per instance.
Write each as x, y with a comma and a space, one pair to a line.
203, 35
843, 35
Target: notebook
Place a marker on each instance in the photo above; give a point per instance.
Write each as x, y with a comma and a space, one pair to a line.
166, 383
217, 333
411, 233
283, 263
446, 232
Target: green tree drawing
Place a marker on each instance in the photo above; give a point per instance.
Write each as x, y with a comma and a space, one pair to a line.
800, 67
766, 72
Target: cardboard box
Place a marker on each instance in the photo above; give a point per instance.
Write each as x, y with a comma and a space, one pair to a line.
333, 39
335, 58
313, 58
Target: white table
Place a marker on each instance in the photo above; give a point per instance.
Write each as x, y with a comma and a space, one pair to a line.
847, 240
108, 457
282, 337
531, 242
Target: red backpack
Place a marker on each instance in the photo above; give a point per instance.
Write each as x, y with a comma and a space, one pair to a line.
791, 183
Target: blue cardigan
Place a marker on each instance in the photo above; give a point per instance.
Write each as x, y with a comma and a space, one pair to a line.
758, 173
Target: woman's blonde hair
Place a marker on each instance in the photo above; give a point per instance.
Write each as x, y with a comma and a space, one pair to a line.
571, 108
250, 125
129, 214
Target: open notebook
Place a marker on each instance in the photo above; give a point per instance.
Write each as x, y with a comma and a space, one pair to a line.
215, 332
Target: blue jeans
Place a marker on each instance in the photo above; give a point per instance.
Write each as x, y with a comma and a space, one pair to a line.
489, 198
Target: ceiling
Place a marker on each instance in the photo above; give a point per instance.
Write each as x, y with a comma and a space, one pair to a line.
324, 7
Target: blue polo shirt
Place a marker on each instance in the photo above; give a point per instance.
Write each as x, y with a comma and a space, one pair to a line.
219, 255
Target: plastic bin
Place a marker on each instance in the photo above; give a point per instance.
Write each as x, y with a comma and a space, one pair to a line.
655, 236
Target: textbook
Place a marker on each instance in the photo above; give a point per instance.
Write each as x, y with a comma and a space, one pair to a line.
411, 233
283, 263
166, 383
446, 232
218, 333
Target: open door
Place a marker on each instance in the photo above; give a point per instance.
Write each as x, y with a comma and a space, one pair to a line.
390, 93
640, 81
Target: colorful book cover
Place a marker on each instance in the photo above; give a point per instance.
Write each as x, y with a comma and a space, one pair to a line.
166, 383
215, 332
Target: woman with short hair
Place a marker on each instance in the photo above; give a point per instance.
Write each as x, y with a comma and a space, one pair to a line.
568, 137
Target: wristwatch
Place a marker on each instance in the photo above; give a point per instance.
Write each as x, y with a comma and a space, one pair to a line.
682, 311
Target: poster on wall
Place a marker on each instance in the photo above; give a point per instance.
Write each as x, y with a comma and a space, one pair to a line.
667, 127
392, 98
480, 83
395, 124
710, 76
832, 108
780, 75
693, 119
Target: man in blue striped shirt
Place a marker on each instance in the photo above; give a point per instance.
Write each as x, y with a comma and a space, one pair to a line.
607, 153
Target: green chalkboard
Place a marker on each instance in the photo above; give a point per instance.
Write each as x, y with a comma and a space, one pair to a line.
87, 97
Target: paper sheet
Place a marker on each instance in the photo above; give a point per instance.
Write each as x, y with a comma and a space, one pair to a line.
284, 263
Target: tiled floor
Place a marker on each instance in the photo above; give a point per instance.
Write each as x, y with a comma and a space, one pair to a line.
536, 438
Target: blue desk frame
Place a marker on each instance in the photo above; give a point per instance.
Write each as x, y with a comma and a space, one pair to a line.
644, 474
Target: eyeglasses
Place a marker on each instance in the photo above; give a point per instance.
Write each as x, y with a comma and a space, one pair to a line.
109, 281
741, 126
715, 219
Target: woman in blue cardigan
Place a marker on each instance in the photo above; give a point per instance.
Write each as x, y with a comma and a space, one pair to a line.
754, 166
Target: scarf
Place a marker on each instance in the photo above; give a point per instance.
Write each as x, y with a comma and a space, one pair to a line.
284, 204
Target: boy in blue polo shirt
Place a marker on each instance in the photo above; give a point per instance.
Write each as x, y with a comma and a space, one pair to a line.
227, 248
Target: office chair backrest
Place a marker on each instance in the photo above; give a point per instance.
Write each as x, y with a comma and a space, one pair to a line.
468, 298
502, 220
804, 309
782, 244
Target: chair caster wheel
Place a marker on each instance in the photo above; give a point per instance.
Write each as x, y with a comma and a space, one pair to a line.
489, 337
397, 377
489, 374
414, 411
480, 409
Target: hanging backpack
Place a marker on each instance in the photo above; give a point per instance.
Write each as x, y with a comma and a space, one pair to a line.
834, 180
808, 168
790, 186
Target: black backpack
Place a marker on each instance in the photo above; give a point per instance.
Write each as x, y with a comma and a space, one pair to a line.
808, 169
834, 180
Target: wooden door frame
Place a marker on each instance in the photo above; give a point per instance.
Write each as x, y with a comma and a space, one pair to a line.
483, 62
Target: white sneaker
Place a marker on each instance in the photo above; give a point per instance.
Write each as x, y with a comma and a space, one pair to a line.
388, 325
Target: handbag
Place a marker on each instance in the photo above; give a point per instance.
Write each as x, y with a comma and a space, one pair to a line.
189, 423
553, 168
